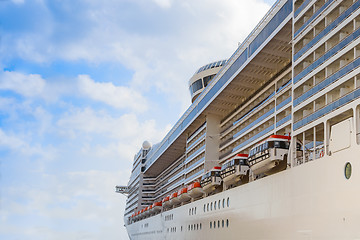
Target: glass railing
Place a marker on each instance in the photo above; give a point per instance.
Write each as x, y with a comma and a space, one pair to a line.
283, 103
251, 111
195, 164
331, 79
284, 120
329, 108
328, 29
267, 114
349, 39
194, 154
198, 174
254, 138
302, 6
284, 86
196, 141
315, 15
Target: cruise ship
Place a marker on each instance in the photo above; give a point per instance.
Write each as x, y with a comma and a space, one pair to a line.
270, 146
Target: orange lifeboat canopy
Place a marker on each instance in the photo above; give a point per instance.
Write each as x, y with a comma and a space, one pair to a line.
156, 207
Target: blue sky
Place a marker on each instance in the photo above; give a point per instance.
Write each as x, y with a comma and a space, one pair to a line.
82, 85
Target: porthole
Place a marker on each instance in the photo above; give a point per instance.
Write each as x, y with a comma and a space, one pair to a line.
219, 203
208, 207
210, 224
192, 211
197, 226
227, 222
218, 223
224, 203
348, 170
195, 211
200, 226
228, 202
222, 223
204, 207
215, 205
214, 224
211, 206
181, 228
189, 212
191, 227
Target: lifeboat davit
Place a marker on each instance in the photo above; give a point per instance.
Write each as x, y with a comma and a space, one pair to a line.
156, 207
166, 202
195, 190
235, 170
211, 180
183, 195
174, 198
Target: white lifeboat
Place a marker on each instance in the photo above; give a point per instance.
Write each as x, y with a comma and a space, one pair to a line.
166, 202
195, 190
174, 200
270, 155
235, 170
211, 180
183, 195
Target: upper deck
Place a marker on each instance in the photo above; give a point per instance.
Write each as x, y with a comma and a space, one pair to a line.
264, 54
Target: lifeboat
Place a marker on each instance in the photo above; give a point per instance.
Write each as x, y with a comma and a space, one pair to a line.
195, 190
174, 198
235, 170
270, 155
211, 180
156, 207
166, 202
183, 195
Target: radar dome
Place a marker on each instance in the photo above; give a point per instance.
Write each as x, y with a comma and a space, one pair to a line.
146, 145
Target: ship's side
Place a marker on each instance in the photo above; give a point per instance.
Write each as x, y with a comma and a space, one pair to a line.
296, 75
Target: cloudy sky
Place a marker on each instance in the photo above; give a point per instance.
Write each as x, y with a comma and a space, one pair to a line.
82, 84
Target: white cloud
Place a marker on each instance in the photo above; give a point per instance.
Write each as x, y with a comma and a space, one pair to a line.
29, 85
19, 144
163, 3
116, 96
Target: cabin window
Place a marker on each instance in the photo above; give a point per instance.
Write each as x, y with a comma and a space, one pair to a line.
218, 223
223, 203
228, 202
210, 224
211, 206
227, 222
208, 207
219, 203
200, 226
222, 223
214, 224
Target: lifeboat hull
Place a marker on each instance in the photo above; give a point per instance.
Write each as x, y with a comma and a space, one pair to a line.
174, 201
269, 166
166, 204
184, 197
156, 209
196, 192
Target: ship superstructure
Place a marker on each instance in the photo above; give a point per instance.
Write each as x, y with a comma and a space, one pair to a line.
267, 148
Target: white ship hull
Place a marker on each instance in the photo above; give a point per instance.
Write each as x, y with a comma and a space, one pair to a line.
310, 201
